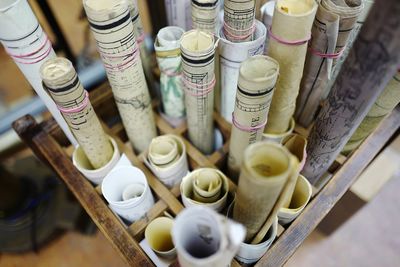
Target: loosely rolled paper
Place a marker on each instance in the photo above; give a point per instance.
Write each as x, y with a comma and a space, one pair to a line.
198, 48
166, 158
279, 137
288, 38
179, 13
205, 15
25, 41
386, 102
332, 27
265, 170
112, 28
257, 79
204, 238
239, 18
62, 83
159, 237
371, 64
168, 53
231, 55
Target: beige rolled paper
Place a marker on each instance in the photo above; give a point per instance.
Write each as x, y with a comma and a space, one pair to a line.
385, 103
205, 15
291, 23
111, 24
266, 169
61, 81
197, 51
331, 30
239, 18
257, 79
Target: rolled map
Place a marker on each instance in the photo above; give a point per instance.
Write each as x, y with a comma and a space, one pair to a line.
179, 13
205, 15
239, 20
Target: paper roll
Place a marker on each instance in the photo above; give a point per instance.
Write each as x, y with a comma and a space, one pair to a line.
288, 38
168, 53
179, 13
112, 28
198, 48
257, 79
330, 32
239, 19
159, 238
205, 15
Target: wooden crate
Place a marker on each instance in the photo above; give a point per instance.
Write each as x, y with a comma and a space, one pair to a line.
50, 145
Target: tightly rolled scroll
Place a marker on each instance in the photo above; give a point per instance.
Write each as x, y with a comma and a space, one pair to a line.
372, 62
168, 53
332, 27
198, 48
178, 13
257, 79
112, 28
239, 18
205, 15
288, 38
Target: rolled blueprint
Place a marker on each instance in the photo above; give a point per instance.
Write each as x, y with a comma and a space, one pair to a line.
198, 48
257, 79
239, 20
27, 44
372, 62
265, 170
112, 28
230, 56
61, 81
205, 15
385, 103
288, 38
332, 27
168, 53
179, 13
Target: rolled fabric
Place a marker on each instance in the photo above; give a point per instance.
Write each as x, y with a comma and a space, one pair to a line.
332, 27
372, 62
386, 102
257, 79
288, 38
61, 81
178, 13
197, 51
205, 15
239, 19
168, 53
28, 45
111, 24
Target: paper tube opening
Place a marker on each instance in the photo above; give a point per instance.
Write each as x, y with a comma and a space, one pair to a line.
295, 7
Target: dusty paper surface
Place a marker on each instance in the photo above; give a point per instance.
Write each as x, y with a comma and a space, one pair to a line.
239, 17
205, 15
64, 86
330, 33
112, 28
179, 13
257, 79
292, 26
198, 48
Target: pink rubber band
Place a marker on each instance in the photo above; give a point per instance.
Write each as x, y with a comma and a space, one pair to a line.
43, 56
203, 91
141, 38
171, 73
332, 55
247, 128
32, 53
238, 37
79, 108
125, 65
286, 42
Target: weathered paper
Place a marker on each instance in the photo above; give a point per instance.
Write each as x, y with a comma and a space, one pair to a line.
112, 28
179, 13
371, 64
291, 22
168, 53
332, 27
198, 48
205, 15
257, 79
63, 85
239, 18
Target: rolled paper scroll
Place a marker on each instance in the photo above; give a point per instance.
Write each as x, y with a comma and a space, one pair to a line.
179, 13
27, 44
204, 238
198, 48
265, 170
332, 27
257, 79
62, 82
230, 56
166, 158
112, 28
288, 38
205, 15
159, 238
385, 103
267, 12
168, 53
239, 20
371, 64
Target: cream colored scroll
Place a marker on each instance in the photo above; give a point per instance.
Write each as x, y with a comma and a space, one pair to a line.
205, 15
288, 39
168, 53
178, 13
112, 28
239, 19
332, 27
257, 79
63, 85
198, 48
